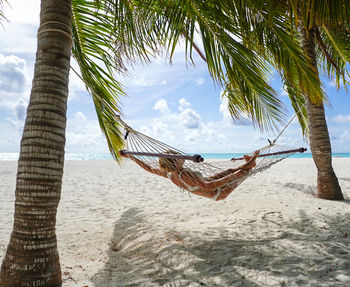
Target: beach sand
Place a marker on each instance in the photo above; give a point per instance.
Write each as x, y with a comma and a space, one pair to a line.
121, 226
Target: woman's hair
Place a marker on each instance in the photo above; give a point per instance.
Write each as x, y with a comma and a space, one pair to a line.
169, 164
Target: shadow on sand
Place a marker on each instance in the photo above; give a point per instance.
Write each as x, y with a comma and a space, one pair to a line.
311, 189
307, 189
299, 253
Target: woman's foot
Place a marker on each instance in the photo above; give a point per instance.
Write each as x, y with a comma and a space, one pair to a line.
250, 160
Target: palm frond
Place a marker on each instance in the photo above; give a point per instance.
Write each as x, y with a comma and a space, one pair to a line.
273, 35
94, 51
336, 41
217, 24
298, 103
319, 12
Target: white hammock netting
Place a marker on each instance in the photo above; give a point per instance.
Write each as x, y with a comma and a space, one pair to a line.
149, 151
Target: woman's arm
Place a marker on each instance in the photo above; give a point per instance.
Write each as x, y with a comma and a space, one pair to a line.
210, 184
214, 184
220, 174
144, 165
250, 163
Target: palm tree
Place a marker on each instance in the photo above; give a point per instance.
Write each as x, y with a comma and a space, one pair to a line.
32, 257
324, 28
327, 182
320, 29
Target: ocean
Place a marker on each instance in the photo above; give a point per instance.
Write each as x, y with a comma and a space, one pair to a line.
104, 156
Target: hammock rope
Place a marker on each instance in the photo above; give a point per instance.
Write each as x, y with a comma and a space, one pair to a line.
152, 152
298, 150
288, 124
194, 158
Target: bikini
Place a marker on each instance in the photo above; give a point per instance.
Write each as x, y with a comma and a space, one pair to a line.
195, 188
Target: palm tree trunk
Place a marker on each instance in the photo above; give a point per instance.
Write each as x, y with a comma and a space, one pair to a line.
320, 145
32, 258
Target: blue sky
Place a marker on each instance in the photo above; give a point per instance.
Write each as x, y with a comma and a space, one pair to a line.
177, 104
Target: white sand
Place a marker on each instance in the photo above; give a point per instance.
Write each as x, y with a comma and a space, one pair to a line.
120, 226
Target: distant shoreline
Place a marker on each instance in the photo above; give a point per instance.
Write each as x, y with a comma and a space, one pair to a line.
107, 156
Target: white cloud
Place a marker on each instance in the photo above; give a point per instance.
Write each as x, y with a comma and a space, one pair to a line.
18, 108
159, 80
23, 19
184, 129
11, 132
76, 84
190, 119
342, 119
14, 96
162, 106
80, 116
224, 109
345, 136
143, 80
199, 81
14, 86
13, 74
184, 104
26, 12
84, 135
21, 110
340, 138
159, 128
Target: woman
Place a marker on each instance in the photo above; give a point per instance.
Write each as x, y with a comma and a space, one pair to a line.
217, 186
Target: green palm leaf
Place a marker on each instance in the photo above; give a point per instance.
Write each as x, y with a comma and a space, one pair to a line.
336, 52
94, 51
217, 25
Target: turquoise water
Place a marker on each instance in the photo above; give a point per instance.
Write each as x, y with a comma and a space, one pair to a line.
102, 156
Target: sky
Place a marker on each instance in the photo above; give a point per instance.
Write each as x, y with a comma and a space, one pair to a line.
178, 104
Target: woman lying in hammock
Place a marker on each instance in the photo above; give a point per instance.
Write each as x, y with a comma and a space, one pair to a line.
217, 186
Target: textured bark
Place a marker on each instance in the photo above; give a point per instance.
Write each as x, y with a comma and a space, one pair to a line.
32, 257
320, 145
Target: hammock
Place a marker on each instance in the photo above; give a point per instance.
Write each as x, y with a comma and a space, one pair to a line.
149, 151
